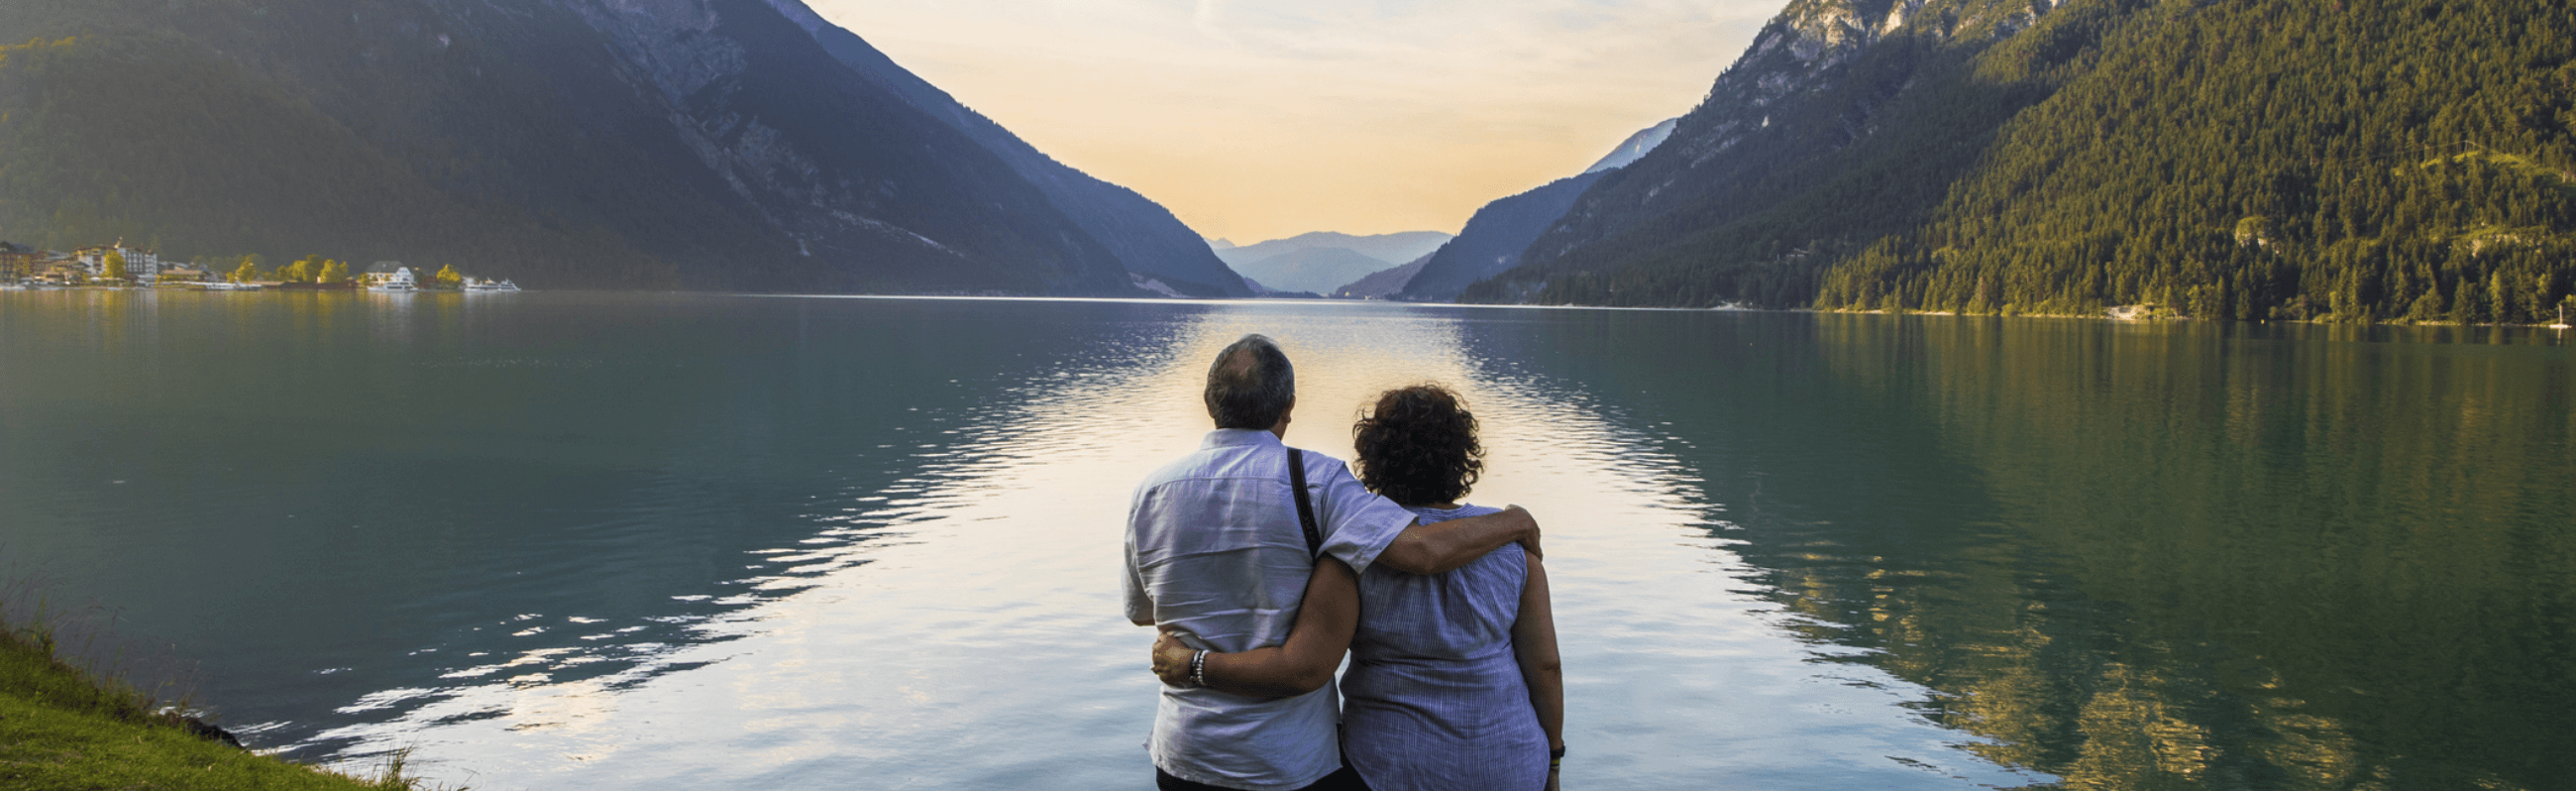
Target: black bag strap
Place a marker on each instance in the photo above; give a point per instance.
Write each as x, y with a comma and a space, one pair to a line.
1305, 511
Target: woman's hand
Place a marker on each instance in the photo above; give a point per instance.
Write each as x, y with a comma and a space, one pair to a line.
1303, 664
1172, 660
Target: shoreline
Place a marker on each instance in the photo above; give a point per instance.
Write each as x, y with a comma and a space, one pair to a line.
64, 726
2113, 314
2108, 314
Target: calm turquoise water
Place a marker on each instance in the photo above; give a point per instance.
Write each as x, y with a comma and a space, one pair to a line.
640, 541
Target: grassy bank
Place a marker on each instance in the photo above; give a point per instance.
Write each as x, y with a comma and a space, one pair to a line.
65, 729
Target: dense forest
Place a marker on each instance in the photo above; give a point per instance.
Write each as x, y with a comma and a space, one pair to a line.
2357, 160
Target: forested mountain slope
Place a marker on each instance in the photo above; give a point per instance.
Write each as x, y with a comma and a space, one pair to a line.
2351, 160
1493, 239
656, 143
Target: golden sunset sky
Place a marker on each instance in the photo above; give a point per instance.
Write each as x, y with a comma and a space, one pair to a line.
1262, 119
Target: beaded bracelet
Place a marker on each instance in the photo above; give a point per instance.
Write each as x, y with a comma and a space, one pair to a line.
1198, 669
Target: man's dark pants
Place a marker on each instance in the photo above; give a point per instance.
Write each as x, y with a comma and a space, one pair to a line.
1342, 779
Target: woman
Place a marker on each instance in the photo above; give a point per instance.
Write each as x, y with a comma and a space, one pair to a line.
1454, 680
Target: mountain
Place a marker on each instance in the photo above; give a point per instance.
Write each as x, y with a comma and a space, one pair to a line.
1320, 270
2363, 160
622, 143
1392, 249
1384, 283
1267, 292
1494, 238
1147, 239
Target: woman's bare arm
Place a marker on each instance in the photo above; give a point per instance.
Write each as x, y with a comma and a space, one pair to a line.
1534, 641
1304, 663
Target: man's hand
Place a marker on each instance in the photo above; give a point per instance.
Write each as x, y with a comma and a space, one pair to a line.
1172, 660
1528, 542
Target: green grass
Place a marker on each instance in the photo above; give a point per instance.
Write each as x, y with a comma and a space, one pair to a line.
64, 729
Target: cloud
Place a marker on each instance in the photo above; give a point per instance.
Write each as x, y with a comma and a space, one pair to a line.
1209, 18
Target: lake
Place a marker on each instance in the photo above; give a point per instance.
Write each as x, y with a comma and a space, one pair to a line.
568, 540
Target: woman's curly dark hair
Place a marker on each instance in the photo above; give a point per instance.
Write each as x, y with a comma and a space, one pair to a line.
1418, 446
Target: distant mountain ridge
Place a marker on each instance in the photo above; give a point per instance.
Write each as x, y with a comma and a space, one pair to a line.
1394, 249
1316, 270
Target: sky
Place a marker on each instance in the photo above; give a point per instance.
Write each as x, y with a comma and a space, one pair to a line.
1263, 119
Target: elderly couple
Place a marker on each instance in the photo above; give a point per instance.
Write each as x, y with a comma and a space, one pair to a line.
1261, 564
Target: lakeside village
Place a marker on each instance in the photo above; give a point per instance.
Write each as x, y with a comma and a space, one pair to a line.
120, 266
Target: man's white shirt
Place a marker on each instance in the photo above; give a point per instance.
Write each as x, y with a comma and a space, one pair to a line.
1215, 554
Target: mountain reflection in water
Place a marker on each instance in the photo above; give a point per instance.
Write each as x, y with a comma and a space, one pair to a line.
569, 540
2150, 556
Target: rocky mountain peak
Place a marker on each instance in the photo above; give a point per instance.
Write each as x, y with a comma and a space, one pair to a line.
1782, 78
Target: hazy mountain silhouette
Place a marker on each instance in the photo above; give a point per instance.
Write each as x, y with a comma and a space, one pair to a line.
1319, 270
1392, 249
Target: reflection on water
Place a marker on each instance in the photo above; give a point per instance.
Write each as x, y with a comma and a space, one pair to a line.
566, 540
2282, 558
2147, 556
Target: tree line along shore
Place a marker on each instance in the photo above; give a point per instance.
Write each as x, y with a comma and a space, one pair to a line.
121, 265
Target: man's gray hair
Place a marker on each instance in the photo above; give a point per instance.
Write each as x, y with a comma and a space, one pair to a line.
1251, 385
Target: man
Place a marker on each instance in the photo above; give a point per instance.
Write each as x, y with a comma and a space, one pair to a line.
1216, 556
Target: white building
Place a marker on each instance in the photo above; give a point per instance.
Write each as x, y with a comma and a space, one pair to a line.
142, 265
389, 276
